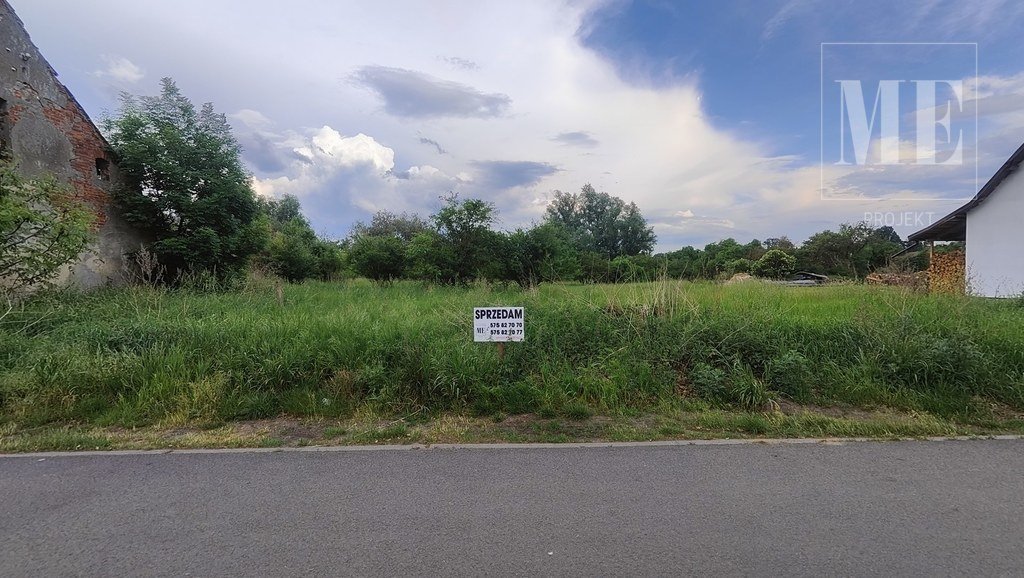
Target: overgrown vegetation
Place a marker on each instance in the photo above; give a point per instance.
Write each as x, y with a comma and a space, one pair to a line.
185, 184
42, 227
151, 356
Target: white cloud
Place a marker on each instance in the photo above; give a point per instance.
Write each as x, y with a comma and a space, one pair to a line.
252, 119
321, 156
120, 70
657, 147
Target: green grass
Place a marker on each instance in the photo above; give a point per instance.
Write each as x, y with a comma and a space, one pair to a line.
143, 357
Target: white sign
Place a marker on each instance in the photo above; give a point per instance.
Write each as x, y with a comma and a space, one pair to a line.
498, 324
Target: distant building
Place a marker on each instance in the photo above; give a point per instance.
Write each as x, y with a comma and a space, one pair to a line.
992, 227
46, 131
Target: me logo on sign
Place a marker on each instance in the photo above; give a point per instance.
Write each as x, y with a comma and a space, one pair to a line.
498, 324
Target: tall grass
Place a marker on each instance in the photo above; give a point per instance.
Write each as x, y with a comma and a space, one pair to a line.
138, 356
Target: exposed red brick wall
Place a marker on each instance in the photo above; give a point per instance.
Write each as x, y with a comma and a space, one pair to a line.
88, 145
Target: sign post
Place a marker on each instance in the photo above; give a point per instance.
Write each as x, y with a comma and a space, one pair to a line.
498, 325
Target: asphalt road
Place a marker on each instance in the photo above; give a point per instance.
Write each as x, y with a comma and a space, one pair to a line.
890, 508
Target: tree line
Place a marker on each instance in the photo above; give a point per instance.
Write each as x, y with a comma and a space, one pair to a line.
186, 190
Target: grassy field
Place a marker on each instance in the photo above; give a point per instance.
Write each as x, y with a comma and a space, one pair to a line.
640, 361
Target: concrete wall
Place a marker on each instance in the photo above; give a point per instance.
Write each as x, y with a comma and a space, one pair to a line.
995, 241
46, 132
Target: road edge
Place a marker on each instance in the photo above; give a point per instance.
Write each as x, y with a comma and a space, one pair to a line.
505, 446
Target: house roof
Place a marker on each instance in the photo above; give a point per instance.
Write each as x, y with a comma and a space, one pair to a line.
953, 227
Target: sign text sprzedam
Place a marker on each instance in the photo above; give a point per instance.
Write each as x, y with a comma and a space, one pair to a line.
498, 324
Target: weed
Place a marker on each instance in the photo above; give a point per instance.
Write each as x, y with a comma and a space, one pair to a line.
142, 356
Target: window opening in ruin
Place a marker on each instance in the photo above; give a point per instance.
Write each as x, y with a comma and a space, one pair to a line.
103, 169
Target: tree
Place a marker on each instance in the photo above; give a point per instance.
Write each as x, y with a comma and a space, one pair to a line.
782, 243
775, 264
380, 259
464, 227
855, 250
430, 258
601, 223
386, 223
186, 186
295, 252
42, 228
283, 210
543, 253
291, 251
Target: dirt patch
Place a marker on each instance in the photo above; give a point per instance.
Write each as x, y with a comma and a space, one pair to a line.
792, 408
1001, 411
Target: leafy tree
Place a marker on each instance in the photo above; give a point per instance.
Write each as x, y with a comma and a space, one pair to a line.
186, 186
283, 210
431, 258
386, 223
594, 267
291, 251
685, 263
381, 259
295, 252
782, 243
42, 228
601, 223
741, 265
464, 226
543, 253
855, 250
718, 255
775, 264
330, 260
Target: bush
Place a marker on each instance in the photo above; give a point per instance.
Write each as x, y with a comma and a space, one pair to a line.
42, 228
708, 382
380, 259
774, 264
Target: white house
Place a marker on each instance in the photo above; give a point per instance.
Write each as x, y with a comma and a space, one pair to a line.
992, 226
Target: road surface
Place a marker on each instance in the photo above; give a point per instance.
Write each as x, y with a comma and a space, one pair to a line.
862, 508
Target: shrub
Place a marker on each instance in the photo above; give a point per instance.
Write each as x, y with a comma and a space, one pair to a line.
708, 382
42, 228
774, 264
378, 258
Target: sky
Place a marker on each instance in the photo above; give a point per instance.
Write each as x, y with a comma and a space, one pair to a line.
717, 118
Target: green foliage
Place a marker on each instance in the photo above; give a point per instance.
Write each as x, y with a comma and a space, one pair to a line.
544, 252
464, 226
139, 355
388, 224
295, 252
290, 253
601, 223
853, 251
775, 264
792, 374
741, 265
378, 258
186, 187
42, 228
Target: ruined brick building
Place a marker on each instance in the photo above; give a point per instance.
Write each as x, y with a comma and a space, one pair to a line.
46, 131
